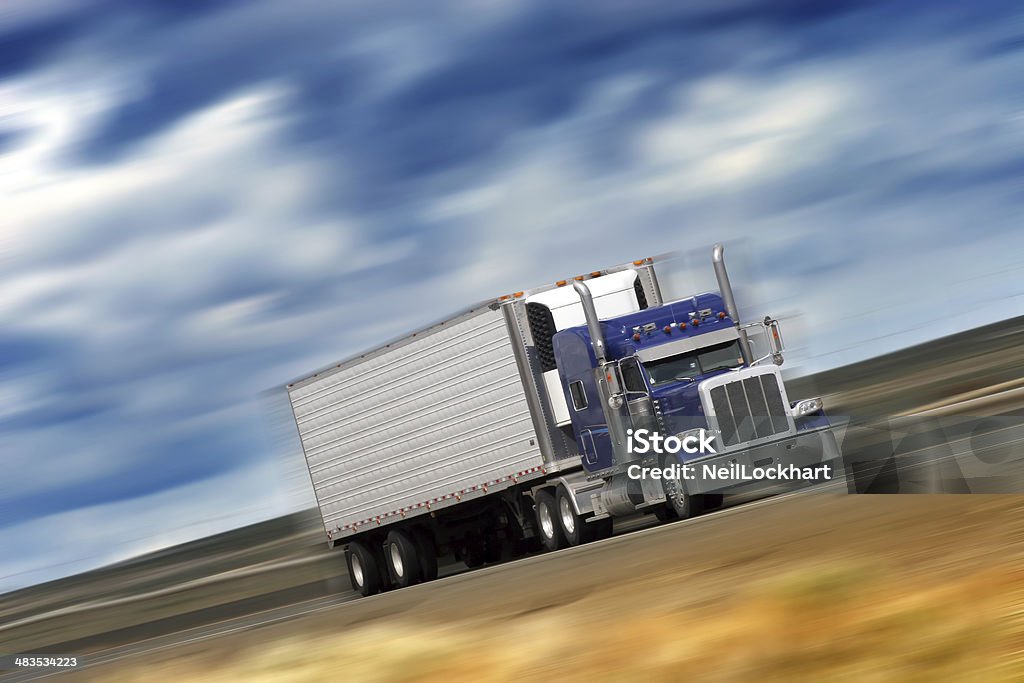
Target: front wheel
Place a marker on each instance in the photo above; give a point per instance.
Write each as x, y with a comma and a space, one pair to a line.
678, 502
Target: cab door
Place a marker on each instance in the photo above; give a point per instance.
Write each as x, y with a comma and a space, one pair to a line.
636, 394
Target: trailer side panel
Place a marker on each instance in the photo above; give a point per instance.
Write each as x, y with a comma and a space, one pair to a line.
435, 416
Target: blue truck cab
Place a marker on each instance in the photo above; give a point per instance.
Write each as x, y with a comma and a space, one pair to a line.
677, 369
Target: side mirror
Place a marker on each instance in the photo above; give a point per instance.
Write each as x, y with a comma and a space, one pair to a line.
773, 332
775, 342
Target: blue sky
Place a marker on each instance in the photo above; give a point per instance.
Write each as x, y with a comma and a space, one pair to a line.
202, 201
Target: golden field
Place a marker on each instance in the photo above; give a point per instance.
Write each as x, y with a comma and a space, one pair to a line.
814, 587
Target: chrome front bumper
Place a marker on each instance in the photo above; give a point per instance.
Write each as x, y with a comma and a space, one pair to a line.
809, 449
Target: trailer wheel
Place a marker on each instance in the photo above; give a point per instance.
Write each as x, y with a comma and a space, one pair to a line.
547, 521
363, 571
426, 552
494, 550
474, 552
401, 559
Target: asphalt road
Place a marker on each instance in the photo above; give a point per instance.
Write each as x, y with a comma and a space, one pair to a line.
637, 529
170, 637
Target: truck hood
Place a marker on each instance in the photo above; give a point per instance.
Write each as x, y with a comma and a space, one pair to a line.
680, 405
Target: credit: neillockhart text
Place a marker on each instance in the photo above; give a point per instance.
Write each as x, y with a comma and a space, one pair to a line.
732, 472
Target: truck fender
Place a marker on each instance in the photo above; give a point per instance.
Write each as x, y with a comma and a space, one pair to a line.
580, 490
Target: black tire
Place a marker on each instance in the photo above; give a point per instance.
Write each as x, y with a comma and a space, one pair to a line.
426, 551
677, 500
474, 553
401, 558
574, 528
530, 542
386, 582
602, 529
711, 501
363, 570
519, 548
548, 529
494, 549
665, 513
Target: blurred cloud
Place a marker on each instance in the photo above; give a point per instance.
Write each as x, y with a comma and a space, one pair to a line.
203, 201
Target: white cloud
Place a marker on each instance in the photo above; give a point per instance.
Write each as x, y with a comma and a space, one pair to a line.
731, 143
726, 133
226, 153
200, 265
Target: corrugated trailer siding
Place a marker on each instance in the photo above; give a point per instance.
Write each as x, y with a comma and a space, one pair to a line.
441, 413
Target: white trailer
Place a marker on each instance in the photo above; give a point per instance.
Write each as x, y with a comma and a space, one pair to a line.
432, 444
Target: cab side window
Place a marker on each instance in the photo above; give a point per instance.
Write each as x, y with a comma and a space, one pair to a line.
632, 377
578, 394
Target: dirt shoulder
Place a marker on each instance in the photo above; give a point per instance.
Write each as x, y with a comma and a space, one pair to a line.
848, 587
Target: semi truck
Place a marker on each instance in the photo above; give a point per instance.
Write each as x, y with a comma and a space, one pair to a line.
506, 428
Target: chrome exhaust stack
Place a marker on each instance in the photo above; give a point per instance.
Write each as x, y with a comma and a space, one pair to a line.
606, 375
593, 326
725, 287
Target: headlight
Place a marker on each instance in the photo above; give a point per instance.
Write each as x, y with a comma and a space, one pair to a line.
808, 406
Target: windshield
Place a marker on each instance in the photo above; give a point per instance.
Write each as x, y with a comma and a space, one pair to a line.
688, 366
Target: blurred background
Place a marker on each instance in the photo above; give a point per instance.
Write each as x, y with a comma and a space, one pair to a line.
199, 202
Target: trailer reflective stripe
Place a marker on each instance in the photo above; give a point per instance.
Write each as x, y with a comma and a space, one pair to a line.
457, 495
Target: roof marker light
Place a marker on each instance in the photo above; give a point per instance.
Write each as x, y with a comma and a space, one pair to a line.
561, 283
638, 263
518, 295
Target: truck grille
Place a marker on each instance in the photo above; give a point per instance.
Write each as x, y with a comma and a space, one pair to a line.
749, 409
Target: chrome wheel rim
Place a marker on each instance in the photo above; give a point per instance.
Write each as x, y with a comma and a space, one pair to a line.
547, 524
675, 494
568, 516
357, 569
396, 560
